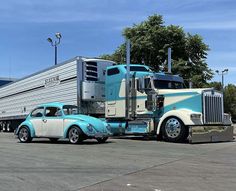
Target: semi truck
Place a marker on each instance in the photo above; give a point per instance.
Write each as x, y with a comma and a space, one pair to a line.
78, 81
134, 100
149, 103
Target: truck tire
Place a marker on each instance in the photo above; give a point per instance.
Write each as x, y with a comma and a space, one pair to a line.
174, 130
24, 135
75, 135
102, 140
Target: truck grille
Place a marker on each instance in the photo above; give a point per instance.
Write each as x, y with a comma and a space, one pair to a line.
213, 107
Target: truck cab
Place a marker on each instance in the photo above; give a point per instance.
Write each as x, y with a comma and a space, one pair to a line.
158, 105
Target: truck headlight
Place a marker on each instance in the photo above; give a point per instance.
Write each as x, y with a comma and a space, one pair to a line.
195, 116
227, 117
90, 128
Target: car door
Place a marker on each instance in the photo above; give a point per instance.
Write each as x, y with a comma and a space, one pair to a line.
36, 117
53, 122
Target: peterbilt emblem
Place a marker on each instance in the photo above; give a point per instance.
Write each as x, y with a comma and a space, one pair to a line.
49, 82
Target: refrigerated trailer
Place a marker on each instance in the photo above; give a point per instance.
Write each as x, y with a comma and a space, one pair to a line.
4, 81
78, 81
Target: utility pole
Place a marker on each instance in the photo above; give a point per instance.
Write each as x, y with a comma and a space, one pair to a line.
55, 44
222, 73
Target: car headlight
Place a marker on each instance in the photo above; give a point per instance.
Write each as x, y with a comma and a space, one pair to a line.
108, 126
90, 128
195, 116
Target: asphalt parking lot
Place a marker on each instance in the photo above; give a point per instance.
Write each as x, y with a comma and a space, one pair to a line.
119, 164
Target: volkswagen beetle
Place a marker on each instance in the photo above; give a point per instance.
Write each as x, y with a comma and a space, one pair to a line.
57, 120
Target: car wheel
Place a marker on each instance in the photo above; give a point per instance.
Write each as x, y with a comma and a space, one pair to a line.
173, 130
102, 140
75, 135
24, 135
53, 140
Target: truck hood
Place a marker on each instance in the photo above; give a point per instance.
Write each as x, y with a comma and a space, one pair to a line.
190, 99
182, 91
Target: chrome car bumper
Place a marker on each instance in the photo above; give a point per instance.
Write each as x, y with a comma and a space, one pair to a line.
201, 134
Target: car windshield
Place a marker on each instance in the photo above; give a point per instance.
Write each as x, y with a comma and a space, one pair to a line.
70, 110
164, 84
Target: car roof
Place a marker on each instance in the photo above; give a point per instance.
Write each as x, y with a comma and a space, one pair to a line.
52, 104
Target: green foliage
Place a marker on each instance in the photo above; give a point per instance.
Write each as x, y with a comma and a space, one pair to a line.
149, 43
230, 100
215, 85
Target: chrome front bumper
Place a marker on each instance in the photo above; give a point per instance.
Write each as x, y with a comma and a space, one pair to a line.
203, 134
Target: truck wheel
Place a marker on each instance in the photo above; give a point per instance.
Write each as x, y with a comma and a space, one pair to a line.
24, 135
173, 130
75, 135
102, 140
53, 140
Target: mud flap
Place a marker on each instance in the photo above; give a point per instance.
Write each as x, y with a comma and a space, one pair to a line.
204, 134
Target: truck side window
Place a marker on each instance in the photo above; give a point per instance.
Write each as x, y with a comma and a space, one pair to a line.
113, 71
52, 112
38, 112
147, 82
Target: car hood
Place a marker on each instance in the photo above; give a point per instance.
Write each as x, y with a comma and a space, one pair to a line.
98, 124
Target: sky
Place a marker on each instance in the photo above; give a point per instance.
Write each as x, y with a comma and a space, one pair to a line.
94, 27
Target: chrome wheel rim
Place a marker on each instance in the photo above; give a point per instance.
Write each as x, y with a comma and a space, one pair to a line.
74, 135
23, 135
173, 127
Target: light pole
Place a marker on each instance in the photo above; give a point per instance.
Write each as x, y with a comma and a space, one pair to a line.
222, 73
55, 44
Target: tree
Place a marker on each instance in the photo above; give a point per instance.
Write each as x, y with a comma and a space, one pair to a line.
230, 100
149, 43
215, 85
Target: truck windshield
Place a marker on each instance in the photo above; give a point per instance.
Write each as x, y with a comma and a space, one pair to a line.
70, 110
138, 69
164, 84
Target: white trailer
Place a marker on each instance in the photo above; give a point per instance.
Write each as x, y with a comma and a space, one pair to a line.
78, 81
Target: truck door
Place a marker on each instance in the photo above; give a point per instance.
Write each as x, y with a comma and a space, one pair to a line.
53, 122
36, 120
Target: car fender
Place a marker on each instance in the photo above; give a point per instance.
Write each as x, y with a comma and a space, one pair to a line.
182, 114
81, 124
29, 125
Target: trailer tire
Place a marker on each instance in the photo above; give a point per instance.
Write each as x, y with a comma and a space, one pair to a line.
24, 135
174, 130
75, 135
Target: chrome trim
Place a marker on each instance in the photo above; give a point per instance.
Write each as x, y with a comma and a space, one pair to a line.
203, 134
213, 107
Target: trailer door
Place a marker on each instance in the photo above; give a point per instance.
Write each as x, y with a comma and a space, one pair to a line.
53, 122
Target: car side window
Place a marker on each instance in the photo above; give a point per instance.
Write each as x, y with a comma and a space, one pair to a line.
53, 112
38, 112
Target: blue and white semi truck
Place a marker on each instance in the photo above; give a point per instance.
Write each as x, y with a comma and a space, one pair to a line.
156, 104
152, 103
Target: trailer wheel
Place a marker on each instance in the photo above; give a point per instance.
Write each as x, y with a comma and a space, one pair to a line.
75, 135
102, 140
24, 135
173, 130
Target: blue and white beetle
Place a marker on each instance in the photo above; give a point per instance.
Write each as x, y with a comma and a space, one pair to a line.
57, 120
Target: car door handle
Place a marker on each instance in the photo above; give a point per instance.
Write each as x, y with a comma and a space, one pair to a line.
44, 120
